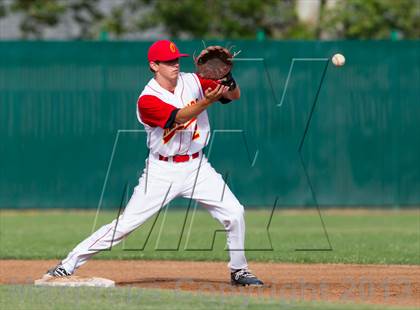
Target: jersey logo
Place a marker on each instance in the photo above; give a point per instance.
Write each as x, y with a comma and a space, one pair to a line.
169, 133
196, 135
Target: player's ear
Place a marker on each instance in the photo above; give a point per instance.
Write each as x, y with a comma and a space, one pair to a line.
153, 66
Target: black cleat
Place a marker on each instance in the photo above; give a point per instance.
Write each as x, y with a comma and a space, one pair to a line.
244, 277
58, 271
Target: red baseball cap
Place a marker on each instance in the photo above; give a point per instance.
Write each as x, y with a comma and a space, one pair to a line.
164, 50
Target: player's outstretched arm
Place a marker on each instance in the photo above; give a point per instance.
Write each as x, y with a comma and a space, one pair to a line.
210, 96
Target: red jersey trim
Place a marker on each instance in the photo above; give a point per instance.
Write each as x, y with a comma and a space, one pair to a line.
153, 111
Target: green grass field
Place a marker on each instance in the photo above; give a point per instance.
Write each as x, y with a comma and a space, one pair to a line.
377, 237
29, 297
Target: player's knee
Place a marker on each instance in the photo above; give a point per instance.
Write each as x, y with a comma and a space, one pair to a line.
235, 216
239, 212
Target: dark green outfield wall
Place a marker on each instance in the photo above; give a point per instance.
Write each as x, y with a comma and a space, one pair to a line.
62, 104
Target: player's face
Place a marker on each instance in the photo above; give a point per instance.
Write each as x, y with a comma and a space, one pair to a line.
169, 69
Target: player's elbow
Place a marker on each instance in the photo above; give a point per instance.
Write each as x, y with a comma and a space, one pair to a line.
234, 94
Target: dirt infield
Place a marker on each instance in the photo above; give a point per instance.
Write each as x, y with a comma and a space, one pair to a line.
373, 284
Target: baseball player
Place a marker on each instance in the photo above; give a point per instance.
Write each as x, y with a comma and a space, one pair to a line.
172, 108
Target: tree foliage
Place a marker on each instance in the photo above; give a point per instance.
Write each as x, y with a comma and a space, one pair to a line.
220, 18
87, 15
3, 11
223, 19
40, 14
373, 19
115, 22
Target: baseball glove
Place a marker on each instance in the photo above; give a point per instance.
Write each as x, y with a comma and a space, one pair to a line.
215, 63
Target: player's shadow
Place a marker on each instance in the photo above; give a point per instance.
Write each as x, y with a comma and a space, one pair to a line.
175, 281
186, 283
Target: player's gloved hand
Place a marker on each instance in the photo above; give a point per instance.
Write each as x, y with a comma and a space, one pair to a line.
213, 95
228, 80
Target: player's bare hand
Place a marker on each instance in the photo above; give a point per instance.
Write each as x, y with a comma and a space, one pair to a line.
215, 94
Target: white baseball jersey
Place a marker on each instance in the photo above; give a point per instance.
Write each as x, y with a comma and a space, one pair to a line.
156, 106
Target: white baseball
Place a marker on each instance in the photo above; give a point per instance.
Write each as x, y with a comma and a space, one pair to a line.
338, 60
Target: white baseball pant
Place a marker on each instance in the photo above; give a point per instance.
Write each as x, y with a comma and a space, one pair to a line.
168, 179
